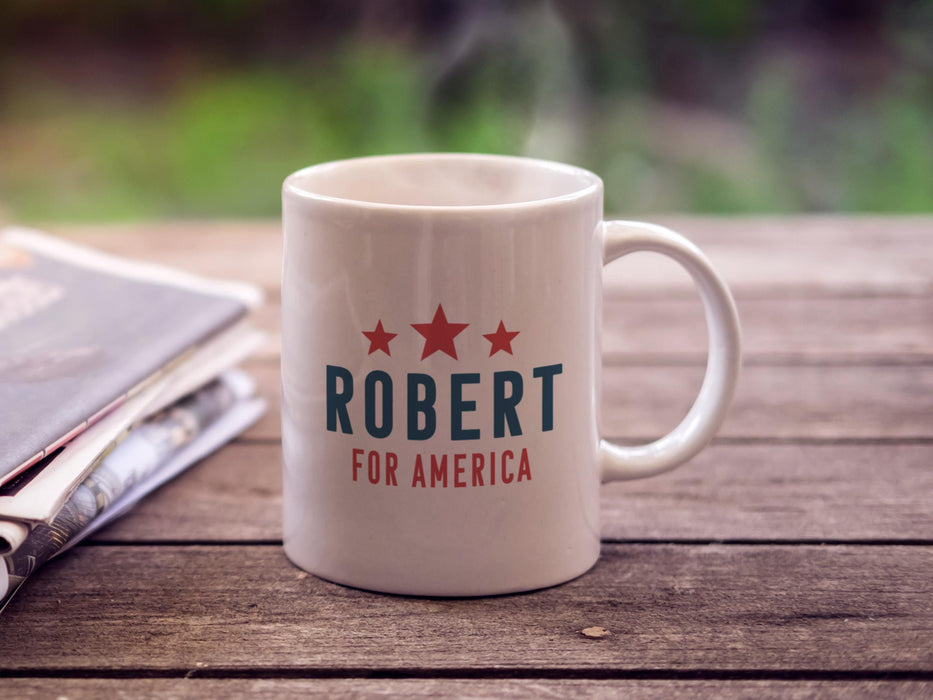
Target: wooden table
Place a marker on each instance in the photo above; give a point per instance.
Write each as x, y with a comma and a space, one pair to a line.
794, 557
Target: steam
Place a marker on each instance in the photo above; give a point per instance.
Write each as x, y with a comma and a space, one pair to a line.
534, 36
555, 131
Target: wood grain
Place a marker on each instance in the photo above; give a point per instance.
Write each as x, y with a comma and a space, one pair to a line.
820, 254
805, 330
781, 255
837, 330
233, 689
729, 492
783, 402
777, 402
716, 608
830, 439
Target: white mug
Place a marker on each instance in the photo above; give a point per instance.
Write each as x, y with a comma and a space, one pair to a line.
441, 371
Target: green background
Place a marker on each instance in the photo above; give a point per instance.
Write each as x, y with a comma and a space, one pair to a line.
125, 111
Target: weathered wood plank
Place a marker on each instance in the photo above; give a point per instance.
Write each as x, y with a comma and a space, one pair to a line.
807, 253
232, 689
783, 402
815, 253
882, 330
729, 492
244, 250
667, 606
777, 402
233, 495
786, 330
781, 492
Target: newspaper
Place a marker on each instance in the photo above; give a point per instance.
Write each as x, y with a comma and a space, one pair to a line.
156, 450
114, 377
94, 328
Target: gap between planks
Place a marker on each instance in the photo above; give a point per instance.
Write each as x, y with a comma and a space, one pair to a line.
663, 689
247, 440
733, 542
470, 674
658, 359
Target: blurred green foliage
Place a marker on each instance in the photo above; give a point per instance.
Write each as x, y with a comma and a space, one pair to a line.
219, 140
221, 145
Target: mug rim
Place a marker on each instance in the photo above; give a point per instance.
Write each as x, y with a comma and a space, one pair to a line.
590, 182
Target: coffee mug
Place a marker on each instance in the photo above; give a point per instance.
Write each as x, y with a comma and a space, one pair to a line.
441, 371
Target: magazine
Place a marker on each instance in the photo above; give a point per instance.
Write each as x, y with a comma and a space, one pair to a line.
37, 494
82, 333
115, 376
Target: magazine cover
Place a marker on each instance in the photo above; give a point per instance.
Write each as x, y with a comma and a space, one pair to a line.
81, 330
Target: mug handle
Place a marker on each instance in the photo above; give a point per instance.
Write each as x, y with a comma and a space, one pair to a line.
619, 462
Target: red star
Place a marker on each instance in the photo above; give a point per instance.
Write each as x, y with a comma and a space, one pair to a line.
501, 339
439, 334
379, 339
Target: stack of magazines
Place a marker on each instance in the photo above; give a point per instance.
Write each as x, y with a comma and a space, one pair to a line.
114, 377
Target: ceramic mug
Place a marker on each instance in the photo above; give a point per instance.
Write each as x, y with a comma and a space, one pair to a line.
441, 371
